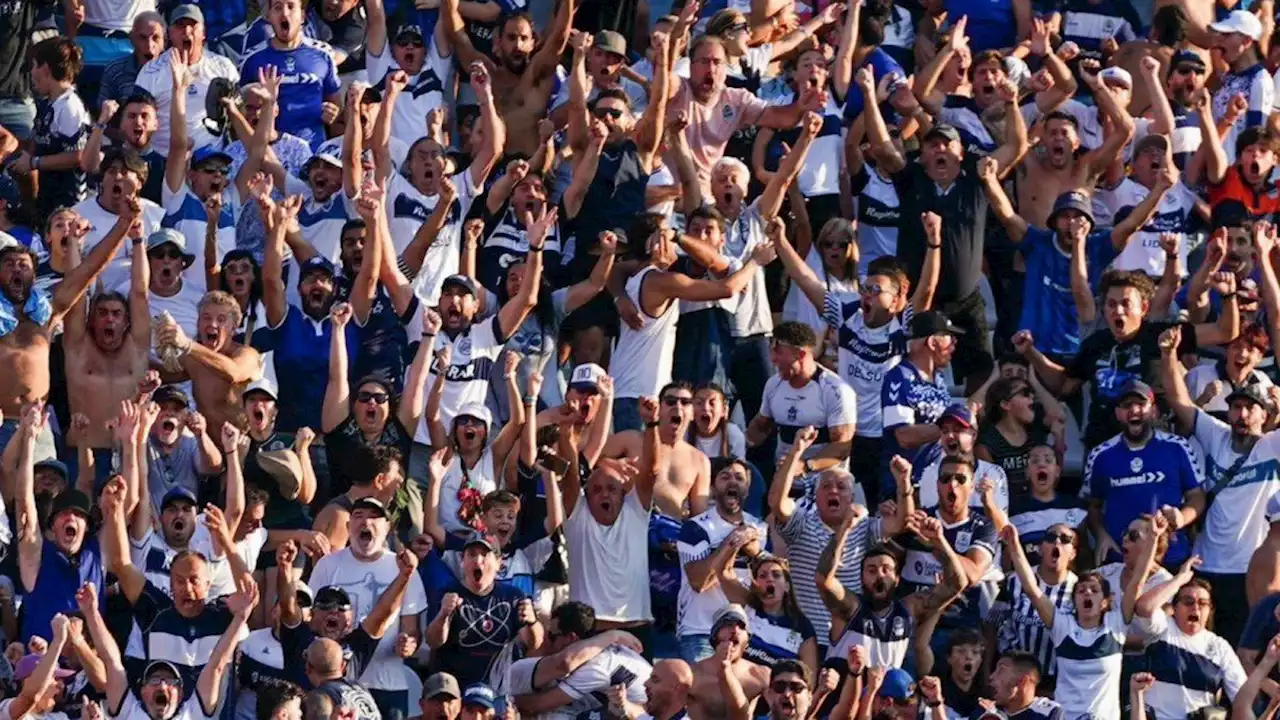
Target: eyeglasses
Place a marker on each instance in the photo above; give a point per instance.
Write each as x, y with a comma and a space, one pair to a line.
603, 112
957, 478
222, 170
166, 253
1195, 602
735, 28
1055, 538
374, 397
1133, 536
332, 607
874, 289
674, 400
159, 680
791, 686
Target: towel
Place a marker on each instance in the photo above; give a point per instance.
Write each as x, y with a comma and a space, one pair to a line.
37, 309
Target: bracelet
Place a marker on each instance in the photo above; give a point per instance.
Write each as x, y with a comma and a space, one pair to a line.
937, 246
538, 249
1231, 295
99, 126
933, 704
530, 400
35, 163
653, 424
428, 336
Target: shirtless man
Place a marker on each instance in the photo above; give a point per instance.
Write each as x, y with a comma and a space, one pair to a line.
1055, 166
218, 367
523, 79
683, 472
29, 316
108, 355
727, 674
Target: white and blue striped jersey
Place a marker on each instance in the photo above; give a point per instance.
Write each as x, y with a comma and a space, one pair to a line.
507, 243
886, 637
701, 536
824, 402
879, 216
820, 171
1236, 523
1088, 665
1041, 708
1033, 517
865, 354
320, 223
1173, 215
1185, 137
132, 708
186, 642
259, 658
185, 212
409, 209
1190, 670
467, 379
1258, 87
776, 638
425, 92
1018, 625
962, 113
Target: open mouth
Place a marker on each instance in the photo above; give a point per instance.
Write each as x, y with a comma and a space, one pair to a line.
1255, 168
1087, 605
606, 506
332, 624
316, 296
186, 44
259, 416
1055, 554
940, 163
285, 25
116, 191
813, 83
950, 496
728, 198
469, 434
833, 503
210, 337
169, 425
1193, 617
179, 525
239, 286
769, 592
69, 533
733, 496
366, 536
371, 415
166, 274
477, 575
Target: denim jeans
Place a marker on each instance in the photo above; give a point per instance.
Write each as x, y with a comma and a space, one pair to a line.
18, 116
393, 704
626, 414
695, 647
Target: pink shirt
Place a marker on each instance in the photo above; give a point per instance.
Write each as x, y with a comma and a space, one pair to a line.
711, 124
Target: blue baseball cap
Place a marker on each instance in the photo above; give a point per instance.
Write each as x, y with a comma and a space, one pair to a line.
207, 153
176, 494
316, 263
479, 694
958, 412
898, 684
1137, 387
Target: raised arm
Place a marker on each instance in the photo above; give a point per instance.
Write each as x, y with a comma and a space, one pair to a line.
887, 156
545, 59
905, 507
1149, 536
931, 270
1145, 210
513, 313
91, 155
841, 604
649, 453
776, 190
337, 394
365, 288
388, 606
1026, 576
653, 123
36, 686
1064, 82
1014, 144
73, 285
780, 500
1173, 376
175, 164
104, 644
495, 130
1154, 600
1101, 157
927, 78
30, 536
115, 545
507, 437
415, 253
209, 683
988, 175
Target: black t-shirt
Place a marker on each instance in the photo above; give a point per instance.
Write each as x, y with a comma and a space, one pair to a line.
1108, 364
357, 648
479, 630
348, 34
1013, 458
963, 209
341, 443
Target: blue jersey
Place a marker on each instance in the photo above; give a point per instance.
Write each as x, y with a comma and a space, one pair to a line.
991, 25
907, 398
384, 342
1088, 22
301, 347
308, 76
61, 125
1048, 307
1132, 481
881, 64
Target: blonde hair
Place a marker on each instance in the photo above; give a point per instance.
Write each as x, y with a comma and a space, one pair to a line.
221, 298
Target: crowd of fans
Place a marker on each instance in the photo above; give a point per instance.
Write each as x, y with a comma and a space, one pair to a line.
586, 360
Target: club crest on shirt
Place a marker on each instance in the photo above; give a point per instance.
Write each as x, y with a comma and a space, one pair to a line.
1135, 465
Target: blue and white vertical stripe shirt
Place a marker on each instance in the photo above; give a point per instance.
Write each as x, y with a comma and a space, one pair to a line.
700, 537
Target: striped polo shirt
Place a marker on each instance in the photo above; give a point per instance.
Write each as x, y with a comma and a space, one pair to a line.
806, 537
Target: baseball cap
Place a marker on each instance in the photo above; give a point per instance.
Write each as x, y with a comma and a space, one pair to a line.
475, 537
263, 384
1074, 200
897, 684
162, 665
944, 131
28, 663
176, 494
1116, 75
1152, 141
170, 393
207, 153
325, 155
1186, 57
441, 683
55, 465
586, 377
316, 263
73, 500
188, 11
479, 694
461, 281
958, 412
477, 410
1137, 387
611, 42
927, 324
1240, 22
333, 595
306, 597
1252, 392
369, 503
730, 613
169, 236
406, 29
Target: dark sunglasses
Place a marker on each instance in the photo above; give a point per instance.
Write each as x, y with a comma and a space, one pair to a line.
411, 42
874, 289
735, 29
1055, 538
957, 478
1025, 392
222, 170
1189, 70
375, 397
831, 245
468, 420
674, 400
791, 686
332, 607
1133, 536
603, 112
166, 253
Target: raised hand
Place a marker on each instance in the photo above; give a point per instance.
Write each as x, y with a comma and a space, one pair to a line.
444, 358
648, 410
286, 554
764, 253
450, 603
87, 598
1141, 682
242, 602
197, 423
805, 437
271, 80
931, 689
932, 227
406, 562
1023, 342
108, 111
340, 315
901, 469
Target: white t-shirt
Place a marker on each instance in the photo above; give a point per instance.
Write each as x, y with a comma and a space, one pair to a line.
409, 209
475, 351
365, 581
711, 446
609, 564
824, 402
131, 708
1199, 377
1143, 251
929, 485
156, 78
1089, 665
101, 221
424, 93
115, 14
615, 665
1236, 523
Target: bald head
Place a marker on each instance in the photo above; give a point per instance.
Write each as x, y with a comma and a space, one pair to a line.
667, 689
677, 669
324, 659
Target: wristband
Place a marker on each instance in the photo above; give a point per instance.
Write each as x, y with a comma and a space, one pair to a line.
937, 246
99, 126
653, 424
1231, 295
530, 400
35, 163
933, 704
428, 336
538, 249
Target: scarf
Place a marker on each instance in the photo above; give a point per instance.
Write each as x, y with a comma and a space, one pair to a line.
38, 309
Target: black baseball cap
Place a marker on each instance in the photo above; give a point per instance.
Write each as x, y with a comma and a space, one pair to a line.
944, 131
170, 393
927, 324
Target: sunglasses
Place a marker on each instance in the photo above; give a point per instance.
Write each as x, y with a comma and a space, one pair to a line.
874, 289
332, 607
791, 686
1133, 536
604, 112
374, 397
411, 42
1025, 392
957, 478
1195, 602
222, 170
832, 245
735, 28
1056, 538
674, 400
1189, 70
468, 420
158, 681
170, 253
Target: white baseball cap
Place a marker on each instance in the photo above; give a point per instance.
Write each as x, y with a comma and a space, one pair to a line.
1239, 21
